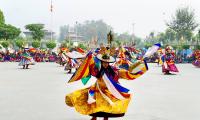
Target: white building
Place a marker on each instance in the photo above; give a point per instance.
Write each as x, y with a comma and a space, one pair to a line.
73, 36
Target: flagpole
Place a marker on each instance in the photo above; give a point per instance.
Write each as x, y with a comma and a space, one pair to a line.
51, 20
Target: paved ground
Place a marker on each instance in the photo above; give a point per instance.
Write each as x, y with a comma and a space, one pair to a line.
38, 94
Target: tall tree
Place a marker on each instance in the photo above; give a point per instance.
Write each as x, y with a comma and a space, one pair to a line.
90, 29
161, 37
8, 31
124, 37
198, 37
36, 30
20, 43
2, 19
170, 35
152, 34
151, 39
183, 23
5, 44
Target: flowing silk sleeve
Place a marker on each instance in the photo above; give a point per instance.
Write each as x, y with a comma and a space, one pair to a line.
135, 71
84, 69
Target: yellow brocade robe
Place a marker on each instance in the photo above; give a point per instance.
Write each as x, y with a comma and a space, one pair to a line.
105, 101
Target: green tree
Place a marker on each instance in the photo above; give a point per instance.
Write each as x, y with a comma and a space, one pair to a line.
147, 45
90, 29
152, 34
8, 31
20, 43
5, 44
81, 45
174, 47
36, 43
161, 37
2, 19
51, 44
36, 30
198, 37
185, 46
198, 47
138, 42
152, 38
118, 42
64, 44
170, 35
183, 23
124, 37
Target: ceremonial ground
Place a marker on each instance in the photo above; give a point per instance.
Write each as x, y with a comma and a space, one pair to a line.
38, 94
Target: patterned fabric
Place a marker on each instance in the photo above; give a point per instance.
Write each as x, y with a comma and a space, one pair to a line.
26, 62
62, 59
79, 100
124, 60
68, 66
83, 70
168, 64
196, 62
26, 59
106, 95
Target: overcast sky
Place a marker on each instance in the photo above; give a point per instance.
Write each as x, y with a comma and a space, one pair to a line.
146, 15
